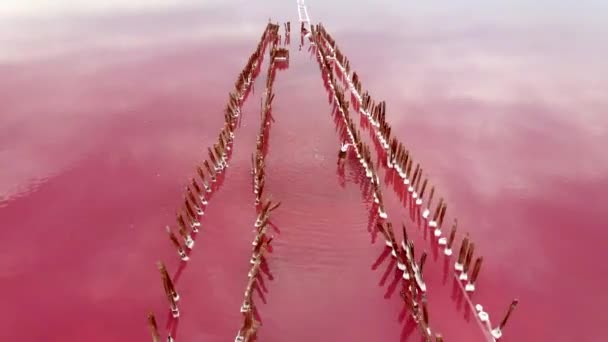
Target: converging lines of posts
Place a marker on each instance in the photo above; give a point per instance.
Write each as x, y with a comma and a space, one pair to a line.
398, 159
415, 291
407, 177
201, 188
264, 206
206, 181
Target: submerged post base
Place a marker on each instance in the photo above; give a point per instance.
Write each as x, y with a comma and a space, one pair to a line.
483, 316
382, 213
400, 171
496, 333
189, 242
175, 312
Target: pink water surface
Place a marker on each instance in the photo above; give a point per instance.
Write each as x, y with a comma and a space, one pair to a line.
105, 110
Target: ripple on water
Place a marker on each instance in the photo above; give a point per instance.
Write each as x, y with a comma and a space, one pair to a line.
24, 189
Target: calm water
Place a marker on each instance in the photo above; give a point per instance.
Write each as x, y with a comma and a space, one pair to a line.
106, 108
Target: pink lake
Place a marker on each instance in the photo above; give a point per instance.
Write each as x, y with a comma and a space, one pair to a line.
106, 108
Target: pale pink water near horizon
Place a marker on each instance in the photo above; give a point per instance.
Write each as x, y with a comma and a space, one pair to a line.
105, 108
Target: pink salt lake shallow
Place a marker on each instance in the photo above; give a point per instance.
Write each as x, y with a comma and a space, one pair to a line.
105, 109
